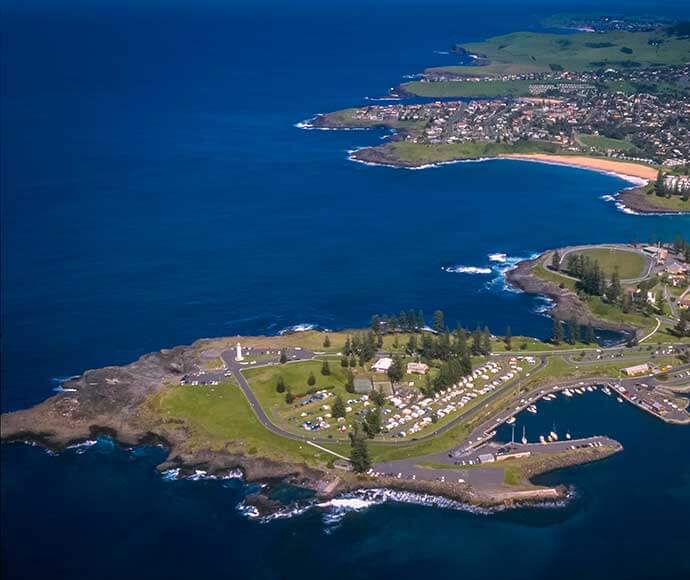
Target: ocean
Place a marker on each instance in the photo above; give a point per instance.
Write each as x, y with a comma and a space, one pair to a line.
155, 190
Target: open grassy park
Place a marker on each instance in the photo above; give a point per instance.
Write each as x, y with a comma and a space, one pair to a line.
630, 264
487, 89
525, 52
220, 418
603, 144
422, 153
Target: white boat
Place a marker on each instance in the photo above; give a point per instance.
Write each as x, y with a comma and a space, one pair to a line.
532, 409
568, 393
590, 389
607, 391
541, 439
524, 438
553, 435
619, 399
567, 435
511, 421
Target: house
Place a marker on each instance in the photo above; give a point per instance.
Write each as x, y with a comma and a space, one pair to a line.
684, 302
382, 365
486, 458
362, 385
417, 368
676, 269
637, 370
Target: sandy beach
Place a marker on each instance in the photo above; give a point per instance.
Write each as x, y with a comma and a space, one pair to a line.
622, 168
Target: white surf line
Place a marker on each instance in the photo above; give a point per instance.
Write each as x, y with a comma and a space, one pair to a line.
658, 324
328, 451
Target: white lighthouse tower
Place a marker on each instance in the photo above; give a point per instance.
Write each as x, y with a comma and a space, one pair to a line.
238, 356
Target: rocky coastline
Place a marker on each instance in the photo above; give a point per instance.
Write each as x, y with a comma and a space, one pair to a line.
111, 402
567, 304
638, 201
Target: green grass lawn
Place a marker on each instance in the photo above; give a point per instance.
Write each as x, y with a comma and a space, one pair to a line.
536, 345
630, 264
263, 383
673, 203
421, 153
612, 312
604, 143
545, 273
580, 51
219, 418
468, 89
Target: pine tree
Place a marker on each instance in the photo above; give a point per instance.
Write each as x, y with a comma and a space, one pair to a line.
573, 331
350, 383
326, 342
613, 292
420, 320
439, 322
557, 334
325, 368
486, 341
359, 452
372, 422
289, 397
556, 260
283, 357
659, 187
396, 370
338, 408
412, 344
477, 342
311, 380
280, 385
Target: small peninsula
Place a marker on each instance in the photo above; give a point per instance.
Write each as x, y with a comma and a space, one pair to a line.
405, 404
607, 99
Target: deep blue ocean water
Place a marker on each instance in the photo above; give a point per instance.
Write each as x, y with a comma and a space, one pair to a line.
155, 190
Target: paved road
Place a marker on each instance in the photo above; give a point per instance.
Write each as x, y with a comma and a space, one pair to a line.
235, 368
475, 474
649, 261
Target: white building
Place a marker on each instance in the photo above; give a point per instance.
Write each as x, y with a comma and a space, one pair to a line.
382, 365
417, 367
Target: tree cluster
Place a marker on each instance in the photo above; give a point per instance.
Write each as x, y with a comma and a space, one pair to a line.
590, 277
359, 451
362, 345
409, 321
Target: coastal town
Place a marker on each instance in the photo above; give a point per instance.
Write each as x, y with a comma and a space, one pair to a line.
655, 130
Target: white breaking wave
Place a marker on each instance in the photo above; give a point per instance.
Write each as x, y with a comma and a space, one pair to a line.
501, 265
60, 381
336, 509
200, 474
504, 265
391, 98
466, 270
298, 328
545, 305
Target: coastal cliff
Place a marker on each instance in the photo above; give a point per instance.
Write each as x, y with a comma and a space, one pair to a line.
567, 304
